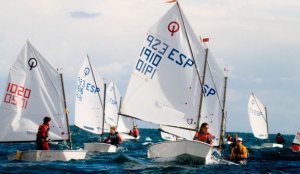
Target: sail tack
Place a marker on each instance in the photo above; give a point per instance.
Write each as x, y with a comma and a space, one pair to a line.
164, 87
33, 91
257, 117
89, 99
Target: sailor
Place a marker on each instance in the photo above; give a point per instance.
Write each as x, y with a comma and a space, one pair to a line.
229, 137
203, 135
114, 137
134, 132
280, 139
42, 135
235, 136
239, 152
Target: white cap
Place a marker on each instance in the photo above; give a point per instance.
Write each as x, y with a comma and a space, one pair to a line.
239, 139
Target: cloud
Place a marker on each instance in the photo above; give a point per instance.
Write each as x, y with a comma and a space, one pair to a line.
82, 14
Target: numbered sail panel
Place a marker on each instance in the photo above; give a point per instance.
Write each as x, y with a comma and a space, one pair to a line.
112, 104
33, 91
89, 99
257, 117
164, 87
212, 106
297, 137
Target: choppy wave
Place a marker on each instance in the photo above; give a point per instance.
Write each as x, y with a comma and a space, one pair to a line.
132, 158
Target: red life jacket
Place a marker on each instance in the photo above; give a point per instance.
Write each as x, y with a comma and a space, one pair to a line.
42, 131
280, 140
41, 136
207, 138
135, 133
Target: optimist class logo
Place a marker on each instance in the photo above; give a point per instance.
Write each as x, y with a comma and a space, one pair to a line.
32, 62
173, 27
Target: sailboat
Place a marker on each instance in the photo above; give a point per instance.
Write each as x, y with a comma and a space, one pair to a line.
296, 142
166, 85
90, 106
112, 109
35, 90
259, 121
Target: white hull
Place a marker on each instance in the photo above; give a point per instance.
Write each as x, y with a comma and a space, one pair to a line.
100, 147
197, 151
48, 155
128, 137
272, 145
227, 142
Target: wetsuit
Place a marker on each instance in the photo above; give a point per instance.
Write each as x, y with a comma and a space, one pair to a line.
115, 139
41, 137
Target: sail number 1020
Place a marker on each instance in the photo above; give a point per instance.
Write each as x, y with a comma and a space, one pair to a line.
17, 95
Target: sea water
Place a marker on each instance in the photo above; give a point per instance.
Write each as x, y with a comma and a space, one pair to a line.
132, 158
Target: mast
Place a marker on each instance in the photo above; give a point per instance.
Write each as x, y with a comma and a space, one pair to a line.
95, 81
202, 93
66, 111
102, 104
192, 55
223, 112
267, 122
119, 112
103, 116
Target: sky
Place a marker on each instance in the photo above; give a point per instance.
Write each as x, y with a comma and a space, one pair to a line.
258, 41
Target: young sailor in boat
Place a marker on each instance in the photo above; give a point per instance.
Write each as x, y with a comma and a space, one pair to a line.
239, 152
42, 135
203, 135
235, 136
229, 137
280, 139
114, 137
134, 132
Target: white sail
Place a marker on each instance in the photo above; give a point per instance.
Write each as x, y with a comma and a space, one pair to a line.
297, 137
112, 104
33, 91
212, 107
167, 136
125, 124
180, 133
164, 87
257, 117
89, 99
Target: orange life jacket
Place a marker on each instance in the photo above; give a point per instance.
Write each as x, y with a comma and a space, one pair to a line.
207, 138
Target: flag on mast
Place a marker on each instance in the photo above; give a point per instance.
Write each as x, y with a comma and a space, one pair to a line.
205, 39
